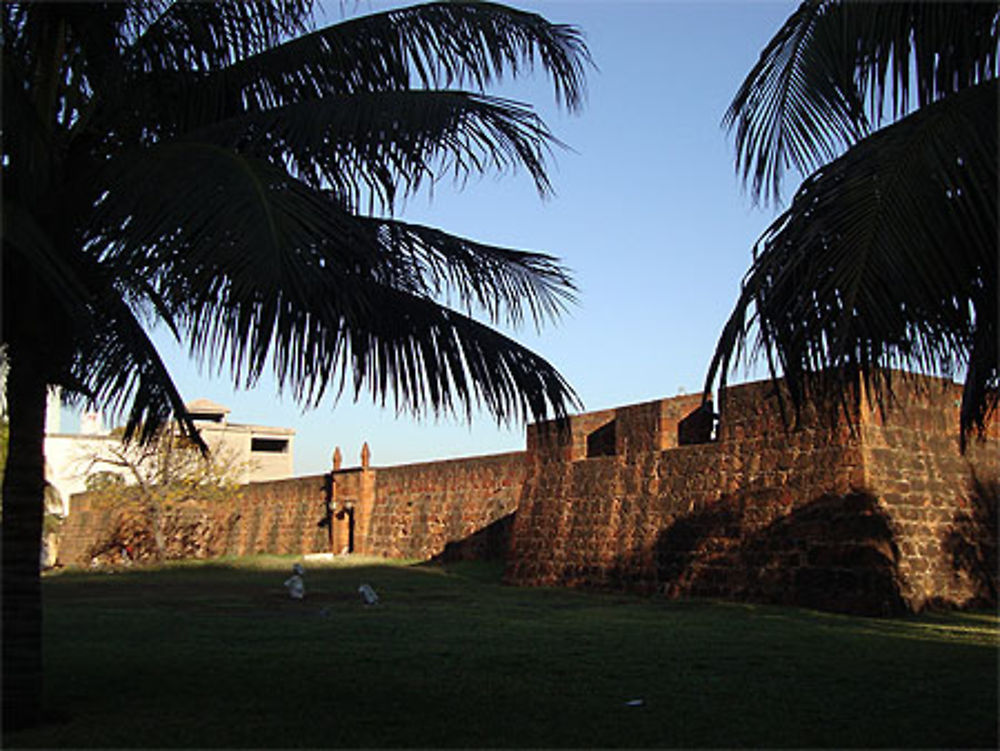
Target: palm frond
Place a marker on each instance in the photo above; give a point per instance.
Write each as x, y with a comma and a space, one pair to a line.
197, 36
830, 71
241, 252
398, 342
424, 46
910, 54
504, 283
118, 367
113, 362
25, 239
433, 45
432, 358
373, 145
797, 107
194, 209
886, 257
426, 356
180, 212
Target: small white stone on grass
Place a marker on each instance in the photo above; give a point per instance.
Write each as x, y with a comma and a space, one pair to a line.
368, 595
295, 584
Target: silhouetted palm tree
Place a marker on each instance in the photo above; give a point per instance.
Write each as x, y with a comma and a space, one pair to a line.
225, 169
887, 255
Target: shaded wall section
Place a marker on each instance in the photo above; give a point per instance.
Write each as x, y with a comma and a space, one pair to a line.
941, 504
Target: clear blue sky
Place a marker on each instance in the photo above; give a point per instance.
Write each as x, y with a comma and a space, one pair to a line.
648, 214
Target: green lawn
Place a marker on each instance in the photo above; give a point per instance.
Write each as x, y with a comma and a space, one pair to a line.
216, 655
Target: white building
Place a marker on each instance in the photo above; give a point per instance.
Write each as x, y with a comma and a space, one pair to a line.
255, 452
261, 453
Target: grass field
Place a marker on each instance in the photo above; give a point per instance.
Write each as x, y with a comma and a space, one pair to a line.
216, 655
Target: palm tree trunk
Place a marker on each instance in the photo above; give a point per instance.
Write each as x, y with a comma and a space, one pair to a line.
23, 507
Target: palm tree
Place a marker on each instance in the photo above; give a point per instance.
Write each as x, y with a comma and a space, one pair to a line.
887, 255
230, 171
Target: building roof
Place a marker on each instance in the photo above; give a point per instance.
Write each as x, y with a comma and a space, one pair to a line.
206, 406
238, 427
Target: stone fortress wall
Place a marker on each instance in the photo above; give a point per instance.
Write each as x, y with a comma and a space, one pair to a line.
460, 508
884, 518
275, 516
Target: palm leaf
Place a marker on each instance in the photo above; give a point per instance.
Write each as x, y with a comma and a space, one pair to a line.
117, 366
428, 357
192, 209
249, 259
164, 35
441, 44
114, 363
371, 144
425, 46
25, 239
795, 108
887, 257
432, 358
500, 282
829, 71
309, 76
914, 53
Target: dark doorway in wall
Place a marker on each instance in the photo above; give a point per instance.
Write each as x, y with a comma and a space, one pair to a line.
347, 512
602, 441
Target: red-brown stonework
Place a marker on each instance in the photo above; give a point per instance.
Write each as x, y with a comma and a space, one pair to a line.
461, 508
886, 517
279, 517
458, 508
941, 504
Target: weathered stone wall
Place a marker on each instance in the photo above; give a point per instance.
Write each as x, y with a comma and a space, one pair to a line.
458, 508
941, 504
887, 517
281, 517
819, 515
82, 531
461, 508
277, 517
